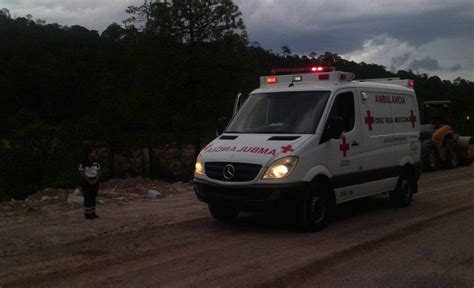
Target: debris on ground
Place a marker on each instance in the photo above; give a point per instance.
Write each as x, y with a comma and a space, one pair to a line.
73, 199
152, 194
113, 192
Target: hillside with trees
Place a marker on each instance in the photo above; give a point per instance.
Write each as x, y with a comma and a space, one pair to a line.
163, 77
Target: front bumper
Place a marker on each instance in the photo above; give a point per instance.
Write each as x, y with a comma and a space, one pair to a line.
250, 197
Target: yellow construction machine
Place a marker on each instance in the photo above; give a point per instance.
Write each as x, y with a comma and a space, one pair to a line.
441, 146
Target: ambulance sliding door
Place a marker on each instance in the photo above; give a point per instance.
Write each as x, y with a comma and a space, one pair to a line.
378, 157
344, 154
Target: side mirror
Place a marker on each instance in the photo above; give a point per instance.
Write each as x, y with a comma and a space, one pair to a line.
334, 128
239, 101
221, 125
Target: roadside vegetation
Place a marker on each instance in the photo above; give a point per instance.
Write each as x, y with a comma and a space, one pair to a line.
162, 77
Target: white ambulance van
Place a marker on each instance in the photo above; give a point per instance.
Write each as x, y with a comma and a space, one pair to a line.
310, 139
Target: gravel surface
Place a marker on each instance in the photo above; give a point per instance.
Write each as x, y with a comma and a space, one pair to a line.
171, 241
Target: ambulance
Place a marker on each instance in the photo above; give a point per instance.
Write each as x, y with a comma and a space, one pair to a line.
311, 138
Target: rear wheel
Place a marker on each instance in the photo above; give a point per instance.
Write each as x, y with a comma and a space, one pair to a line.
432, 160
429, 155
223, 213
452, 158
403, 193
314, 211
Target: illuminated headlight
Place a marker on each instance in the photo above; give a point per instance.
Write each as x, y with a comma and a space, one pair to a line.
281, 168
199, 167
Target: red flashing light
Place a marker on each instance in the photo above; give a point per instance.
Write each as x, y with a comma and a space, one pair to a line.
311, 69
272, 80
324, 77
411, 83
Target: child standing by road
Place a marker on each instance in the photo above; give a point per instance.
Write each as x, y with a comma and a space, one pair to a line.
89, 169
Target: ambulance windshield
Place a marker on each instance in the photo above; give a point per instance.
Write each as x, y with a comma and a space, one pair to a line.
280, 113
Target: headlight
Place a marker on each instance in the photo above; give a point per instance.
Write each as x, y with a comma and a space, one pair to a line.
199, 167
281, 168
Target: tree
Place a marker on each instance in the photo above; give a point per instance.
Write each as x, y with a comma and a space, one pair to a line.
114, 31
4, 12
286, 50
189, 21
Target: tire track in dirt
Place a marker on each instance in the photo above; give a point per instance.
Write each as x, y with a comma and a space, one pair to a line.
294, 277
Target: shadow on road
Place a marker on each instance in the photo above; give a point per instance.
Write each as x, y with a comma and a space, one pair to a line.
278, 221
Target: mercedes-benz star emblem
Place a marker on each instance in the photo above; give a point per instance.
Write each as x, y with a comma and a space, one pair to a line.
229, 171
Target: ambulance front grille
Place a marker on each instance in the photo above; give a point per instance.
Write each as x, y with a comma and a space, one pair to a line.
243, 172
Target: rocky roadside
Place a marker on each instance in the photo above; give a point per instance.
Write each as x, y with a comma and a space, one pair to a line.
54, 216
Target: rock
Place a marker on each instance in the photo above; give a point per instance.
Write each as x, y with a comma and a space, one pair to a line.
31, 209
77, 192
74, 199
44, 198
56, 197
100, 201
152, 194
121, 199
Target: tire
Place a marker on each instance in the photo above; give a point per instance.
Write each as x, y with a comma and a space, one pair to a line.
429, 156
223, 213
315, 209
403, 193
432, 160
451, 158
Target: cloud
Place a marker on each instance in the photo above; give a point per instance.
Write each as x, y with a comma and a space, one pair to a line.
447, 58
92, 14
398, 61
343, 26
455, 68
390, 33
426, 63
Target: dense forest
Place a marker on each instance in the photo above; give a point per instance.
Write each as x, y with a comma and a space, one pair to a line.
162, 77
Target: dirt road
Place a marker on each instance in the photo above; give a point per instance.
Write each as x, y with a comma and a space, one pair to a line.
173, 242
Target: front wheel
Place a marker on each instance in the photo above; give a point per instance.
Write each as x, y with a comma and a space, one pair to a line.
403, 193
223, 213
314, 211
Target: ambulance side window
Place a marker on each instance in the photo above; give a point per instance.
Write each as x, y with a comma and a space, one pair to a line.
344, 107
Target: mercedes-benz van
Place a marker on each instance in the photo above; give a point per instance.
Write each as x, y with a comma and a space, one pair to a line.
310, 139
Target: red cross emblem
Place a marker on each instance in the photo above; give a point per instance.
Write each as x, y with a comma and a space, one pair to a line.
286, 149
344, 147
412, 119
369, 120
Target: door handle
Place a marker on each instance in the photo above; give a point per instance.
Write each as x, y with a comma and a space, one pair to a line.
354, 143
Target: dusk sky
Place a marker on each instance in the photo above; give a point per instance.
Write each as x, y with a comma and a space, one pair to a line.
428, 36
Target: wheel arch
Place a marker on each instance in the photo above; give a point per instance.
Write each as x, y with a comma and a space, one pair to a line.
323, 179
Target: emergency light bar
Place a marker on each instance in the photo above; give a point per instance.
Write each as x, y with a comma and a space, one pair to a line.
312, 77
394, 80
310, 69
